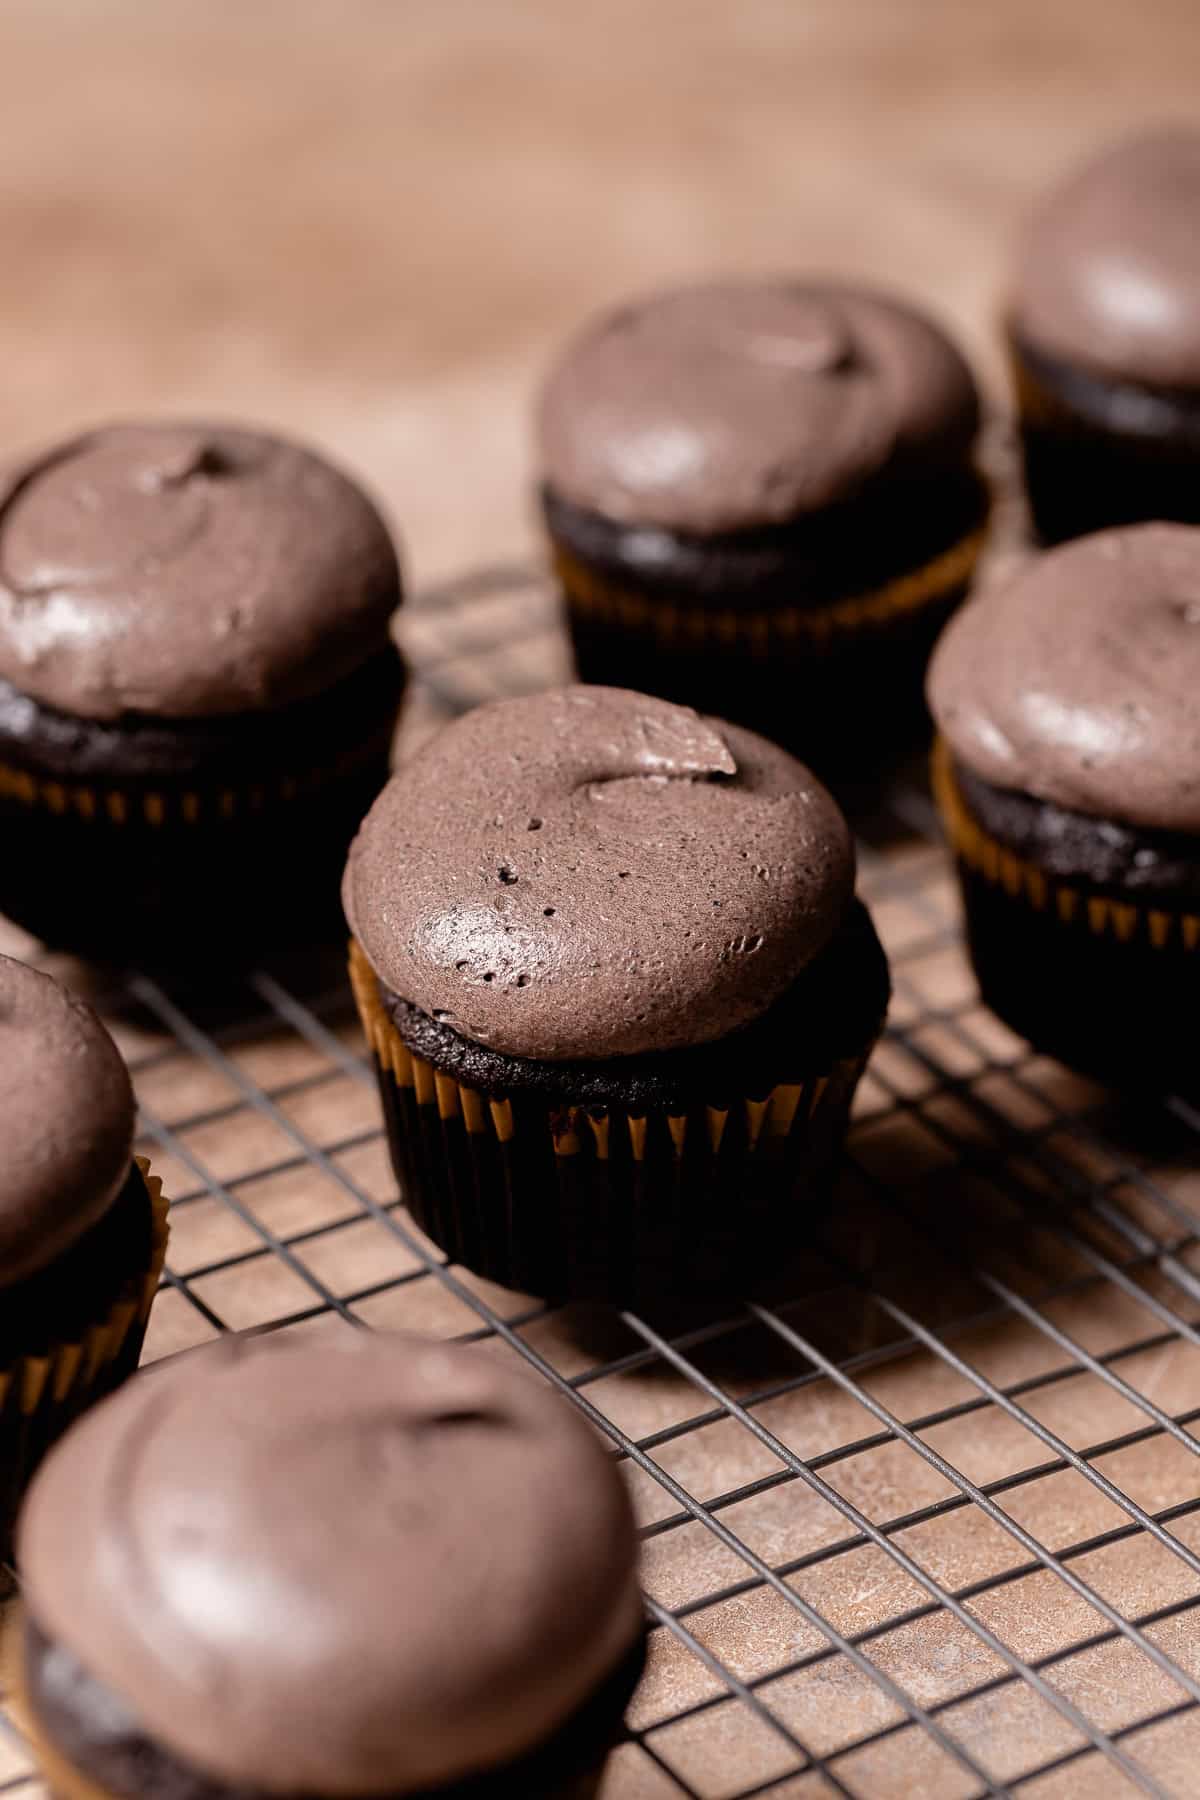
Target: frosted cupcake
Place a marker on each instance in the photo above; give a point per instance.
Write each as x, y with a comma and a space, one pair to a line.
197, 689
82, 1224
1068, 773
375, 1567
619, 992
1104, 334
762, 501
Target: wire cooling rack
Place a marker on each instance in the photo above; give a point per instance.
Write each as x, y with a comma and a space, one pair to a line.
930, 1528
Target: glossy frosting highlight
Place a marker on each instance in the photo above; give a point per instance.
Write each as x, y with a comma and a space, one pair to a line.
1080, 682
589, 873
67, 1120
186, 571
1108, 275
738, 405
365, 1566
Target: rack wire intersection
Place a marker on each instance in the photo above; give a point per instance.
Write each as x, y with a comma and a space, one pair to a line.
933, 1526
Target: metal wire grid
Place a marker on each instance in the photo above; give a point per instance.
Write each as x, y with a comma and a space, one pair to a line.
923, 1528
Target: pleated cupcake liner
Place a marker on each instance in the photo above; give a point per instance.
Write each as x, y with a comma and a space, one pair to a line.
1084, 473
42, 1393
1039, 408
1073, 905
166, 871
607, 1203
570, 1765
64, 1781
163, 804
1042, 407
764, 632
840, 684
1109, 986
61, 1779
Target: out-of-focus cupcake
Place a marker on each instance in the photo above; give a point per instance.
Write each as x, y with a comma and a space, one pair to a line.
1068, 773
82, 1224
762, 502
197, 688
1104, 334
376, 1567
619, 992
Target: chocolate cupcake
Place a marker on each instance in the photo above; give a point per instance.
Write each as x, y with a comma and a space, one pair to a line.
82, 1224
619, 992
762, 502
1069, 779
197, 688
1104, 333
367, 1568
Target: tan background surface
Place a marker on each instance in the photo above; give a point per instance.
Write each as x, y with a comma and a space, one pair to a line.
370, 221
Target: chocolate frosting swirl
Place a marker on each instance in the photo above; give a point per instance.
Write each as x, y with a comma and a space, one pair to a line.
1108, 275
744, 404
1080, 682
366, 1566
185, 571
67, 1119
591, 873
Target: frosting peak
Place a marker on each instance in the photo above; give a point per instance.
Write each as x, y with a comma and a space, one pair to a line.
745, 404
588, 873
66, 1120
1080, 682
1108, 274
185, 571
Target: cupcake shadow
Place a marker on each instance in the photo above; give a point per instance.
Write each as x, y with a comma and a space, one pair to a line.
216, 1000
739, 1342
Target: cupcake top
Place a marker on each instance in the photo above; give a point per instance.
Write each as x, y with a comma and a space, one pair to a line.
739, 405
67, 1120
1080, 682
1108, 275
367, 1566
185, 571
588, 873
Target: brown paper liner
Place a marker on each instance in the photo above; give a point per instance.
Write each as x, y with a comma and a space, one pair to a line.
114, 804
62, 1779
1109, 986
1086, 467
65, 1781
1126, 921
1041, 409
765, 631
584, 1202
1036, 405
41, 1395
